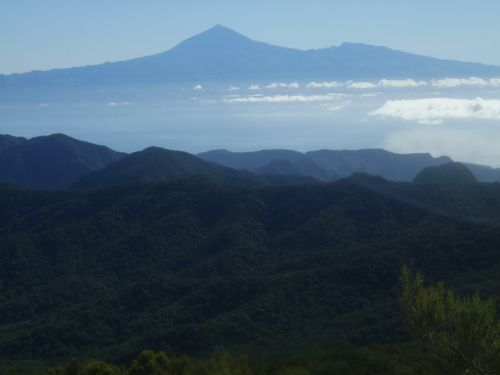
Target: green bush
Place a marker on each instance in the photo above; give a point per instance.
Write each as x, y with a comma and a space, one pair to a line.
461, 334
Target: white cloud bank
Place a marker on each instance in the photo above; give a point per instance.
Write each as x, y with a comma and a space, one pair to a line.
436, 110
118, 104
400, 83
198, 88
446, 83
470, 82
275, 85
285, 98
360, 85
324, 85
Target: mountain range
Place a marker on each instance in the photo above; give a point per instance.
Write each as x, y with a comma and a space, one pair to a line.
331, 165
155, 164
327, 165
221, 54
57, 162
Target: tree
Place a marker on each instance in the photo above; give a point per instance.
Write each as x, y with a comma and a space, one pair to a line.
461, 334
151, 363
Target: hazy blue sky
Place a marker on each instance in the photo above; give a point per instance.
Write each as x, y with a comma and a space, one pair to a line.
45, 34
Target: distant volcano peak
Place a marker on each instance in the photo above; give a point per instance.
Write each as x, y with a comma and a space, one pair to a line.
216, 35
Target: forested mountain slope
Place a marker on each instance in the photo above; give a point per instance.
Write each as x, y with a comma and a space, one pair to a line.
191, 267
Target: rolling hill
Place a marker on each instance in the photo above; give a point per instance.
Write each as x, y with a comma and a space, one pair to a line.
156, 164
52, 162
450, 173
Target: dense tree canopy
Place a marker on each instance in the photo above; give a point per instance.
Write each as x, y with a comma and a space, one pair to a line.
190, 267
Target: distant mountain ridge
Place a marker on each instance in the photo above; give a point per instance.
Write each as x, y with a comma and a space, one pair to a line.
220, 54
58, 162
155, 164
328, 165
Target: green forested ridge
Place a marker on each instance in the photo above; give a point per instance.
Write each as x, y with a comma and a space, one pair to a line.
189, 267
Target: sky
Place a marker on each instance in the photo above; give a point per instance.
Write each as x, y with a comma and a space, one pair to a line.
49, 34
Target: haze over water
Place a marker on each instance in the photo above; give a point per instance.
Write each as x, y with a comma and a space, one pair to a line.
198, 117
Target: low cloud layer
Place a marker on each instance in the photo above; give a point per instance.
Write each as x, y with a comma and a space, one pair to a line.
360, 85
357, 85
118, 104
471, 82
324, 85
446, 83
285, 98
409, 83
436, 110
400, 83
275, 85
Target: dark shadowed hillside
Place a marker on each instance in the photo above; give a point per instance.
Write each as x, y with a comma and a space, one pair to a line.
156, 164
299, 167
8, 141
450, 173
249, 160
52, 162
